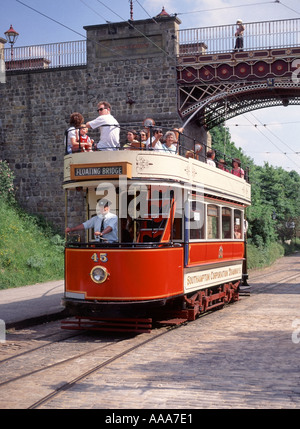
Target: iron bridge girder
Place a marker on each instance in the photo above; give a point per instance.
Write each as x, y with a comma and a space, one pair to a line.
267, 83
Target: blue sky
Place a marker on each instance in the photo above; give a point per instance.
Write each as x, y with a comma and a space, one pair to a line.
270, 135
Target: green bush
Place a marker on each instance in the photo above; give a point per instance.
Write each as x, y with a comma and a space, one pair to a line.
258, 257
29, 254
7, 191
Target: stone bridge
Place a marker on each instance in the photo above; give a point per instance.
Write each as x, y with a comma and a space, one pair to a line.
145, 69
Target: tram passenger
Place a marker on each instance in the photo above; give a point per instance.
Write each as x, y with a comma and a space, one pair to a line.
237, 231
177, 132
131, 138
237, 170
222, 165
76, 119
143, 136
170, 144
132, 141
85, 142
105, 224
109, 127
210, 158
189, 154
198, 149
155, 143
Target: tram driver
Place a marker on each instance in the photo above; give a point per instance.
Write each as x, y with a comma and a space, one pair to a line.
105, 224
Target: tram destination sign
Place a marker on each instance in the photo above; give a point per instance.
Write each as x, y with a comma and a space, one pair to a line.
100, 171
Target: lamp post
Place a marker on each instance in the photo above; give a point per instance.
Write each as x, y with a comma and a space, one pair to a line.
11, 36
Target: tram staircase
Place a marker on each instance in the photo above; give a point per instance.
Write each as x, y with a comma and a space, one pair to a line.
155, 226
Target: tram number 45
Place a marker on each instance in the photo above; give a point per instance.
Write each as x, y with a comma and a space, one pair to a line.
102, 257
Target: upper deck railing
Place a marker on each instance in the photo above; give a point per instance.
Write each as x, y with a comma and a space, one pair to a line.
186, 147
257, 36
205, 40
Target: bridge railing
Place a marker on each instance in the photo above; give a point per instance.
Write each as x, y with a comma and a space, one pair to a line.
51, 55
205, 40
257, 36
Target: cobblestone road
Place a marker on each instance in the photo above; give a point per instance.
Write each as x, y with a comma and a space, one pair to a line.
246, 355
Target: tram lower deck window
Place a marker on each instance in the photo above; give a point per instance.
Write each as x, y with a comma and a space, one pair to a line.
212, 221
196, 224
226, 222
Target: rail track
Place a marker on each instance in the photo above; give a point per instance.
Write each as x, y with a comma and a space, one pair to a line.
50, 361
40, 364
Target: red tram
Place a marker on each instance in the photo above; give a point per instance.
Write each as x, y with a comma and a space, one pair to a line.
180, 248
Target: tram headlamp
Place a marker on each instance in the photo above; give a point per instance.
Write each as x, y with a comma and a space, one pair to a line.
99, 274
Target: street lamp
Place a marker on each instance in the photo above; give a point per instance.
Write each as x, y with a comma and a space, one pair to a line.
11, 36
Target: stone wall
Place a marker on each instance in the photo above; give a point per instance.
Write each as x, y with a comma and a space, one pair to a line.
132, 67
35, 107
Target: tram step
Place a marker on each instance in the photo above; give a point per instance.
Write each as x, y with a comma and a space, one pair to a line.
172, 322
108, 325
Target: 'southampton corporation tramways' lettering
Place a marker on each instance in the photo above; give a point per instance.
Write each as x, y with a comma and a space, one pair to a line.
211, 277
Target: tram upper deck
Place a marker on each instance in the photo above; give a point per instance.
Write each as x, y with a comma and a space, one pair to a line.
87, 168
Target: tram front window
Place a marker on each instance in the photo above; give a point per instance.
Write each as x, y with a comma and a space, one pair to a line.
145, 213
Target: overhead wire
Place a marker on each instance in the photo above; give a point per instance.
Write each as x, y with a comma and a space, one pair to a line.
288, 7
226, 7
87, 5
140, 32
284, 153
104, 46
278, 138
130, 22
142, 7
265, 125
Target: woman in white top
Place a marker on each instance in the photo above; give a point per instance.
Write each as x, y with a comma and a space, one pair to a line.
170, 144
72, 135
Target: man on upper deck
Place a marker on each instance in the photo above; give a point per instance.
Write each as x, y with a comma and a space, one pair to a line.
109, 127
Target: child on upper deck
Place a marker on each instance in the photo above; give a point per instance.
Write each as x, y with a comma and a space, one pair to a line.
85, 142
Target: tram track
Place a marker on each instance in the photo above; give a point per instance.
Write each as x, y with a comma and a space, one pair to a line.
50, 366
96, 368
81, 365
30, 350
46, 379
262, 288
263, 275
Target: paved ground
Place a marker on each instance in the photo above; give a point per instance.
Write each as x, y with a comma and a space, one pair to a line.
28, 302
244, 356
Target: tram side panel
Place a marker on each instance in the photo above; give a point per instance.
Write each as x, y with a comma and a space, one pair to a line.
132, 274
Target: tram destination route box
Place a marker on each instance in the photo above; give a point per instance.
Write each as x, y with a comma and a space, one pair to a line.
100, 171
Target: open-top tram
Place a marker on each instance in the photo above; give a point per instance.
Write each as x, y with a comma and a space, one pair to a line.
180, 249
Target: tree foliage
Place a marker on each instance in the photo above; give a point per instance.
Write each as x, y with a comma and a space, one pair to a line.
275, 210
